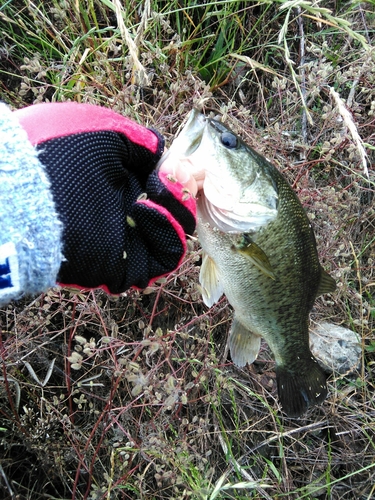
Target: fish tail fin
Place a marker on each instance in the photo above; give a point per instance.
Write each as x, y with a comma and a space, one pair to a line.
301, 388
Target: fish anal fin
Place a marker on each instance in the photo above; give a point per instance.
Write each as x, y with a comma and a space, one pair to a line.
327, 284
209, 279
301, 388
248, 248
243, 344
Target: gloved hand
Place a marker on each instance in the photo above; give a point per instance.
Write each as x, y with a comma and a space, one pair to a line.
124, 223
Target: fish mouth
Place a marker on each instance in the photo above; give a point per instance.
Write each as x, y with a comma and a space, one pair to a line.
193, 131
189, 139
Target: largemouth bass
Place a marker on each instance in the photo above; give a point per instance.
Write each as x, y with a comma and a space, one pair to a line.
260, 250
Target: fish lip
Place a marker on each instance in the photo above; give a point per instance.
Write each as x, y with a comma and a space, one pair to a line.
197, 122
189, 138
217, 126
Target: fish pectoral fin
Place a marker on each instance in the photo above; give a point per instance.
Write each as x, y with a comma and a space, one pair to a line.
327, 284
209, 279
252, 251
244, 345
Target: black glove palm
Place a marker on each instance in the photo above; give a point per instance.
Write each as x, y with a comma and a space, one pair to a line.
124, 224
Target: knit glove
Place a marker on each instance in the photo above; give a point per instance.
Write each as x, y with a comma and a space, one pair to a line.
124, 223
30, 230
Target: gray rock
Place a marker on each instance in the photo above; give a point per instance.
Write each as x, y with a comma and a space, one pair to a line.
336, 348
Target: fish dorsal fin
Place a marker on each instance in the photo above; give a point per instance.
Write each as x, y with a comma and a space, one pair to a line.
327, 284
244, 345
252, 251
209, 279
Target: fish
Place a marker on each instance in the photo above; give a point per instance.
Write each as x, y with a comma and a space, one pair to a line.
259, 249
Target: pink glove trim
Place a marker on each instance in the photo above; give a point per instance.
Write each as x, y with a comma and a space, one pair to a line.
181, 194
46, 121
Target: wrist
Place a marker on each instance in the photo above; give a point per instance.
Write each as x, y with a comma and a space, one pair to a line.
30, 231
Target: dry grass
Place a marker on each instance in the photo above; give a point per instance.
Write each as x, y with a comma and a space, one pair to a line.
134, 397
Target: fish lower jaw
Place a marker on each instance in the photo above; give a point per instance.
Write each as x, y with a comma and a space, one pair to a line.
227, 221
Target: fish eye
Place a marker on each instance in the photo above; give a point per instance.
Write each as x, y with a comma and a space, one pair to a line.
228, 140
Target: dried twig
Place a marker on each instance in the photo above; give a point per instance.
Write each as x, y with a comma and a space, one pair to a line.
349, 122
17, 387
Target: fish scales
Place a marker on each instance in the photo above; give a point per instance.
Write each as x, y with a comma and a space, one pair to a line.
278, 309
260, 250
